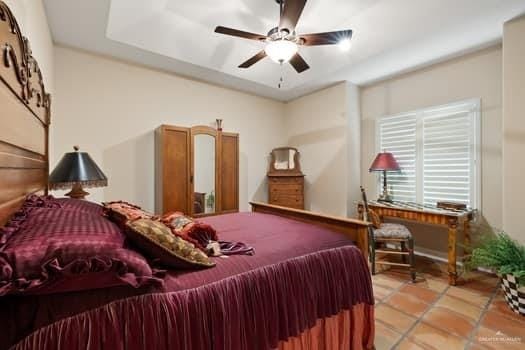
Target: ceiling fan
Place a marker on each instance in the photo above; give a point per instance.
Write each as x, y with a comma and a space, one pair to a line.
282, 42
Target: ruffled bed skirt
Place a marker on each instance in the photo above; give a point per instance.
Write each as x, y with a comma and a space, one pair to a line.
348, 330
322, 299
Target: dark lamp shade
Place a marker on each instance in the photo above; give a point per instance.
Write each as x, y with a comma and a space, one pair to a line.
385, 162
77, 168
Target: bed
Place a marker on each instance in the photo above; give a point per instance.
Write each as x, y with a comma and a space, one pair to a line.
307, 286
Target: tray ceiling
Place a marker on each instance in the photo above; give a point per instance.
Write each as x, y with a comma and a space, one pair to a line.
177, 35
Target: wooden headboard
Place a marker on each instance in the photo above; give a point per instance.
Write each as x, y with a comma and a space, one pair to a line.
24, 119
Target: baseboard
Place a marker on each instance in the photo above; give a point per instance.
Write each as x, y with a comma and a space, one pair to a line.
431, 254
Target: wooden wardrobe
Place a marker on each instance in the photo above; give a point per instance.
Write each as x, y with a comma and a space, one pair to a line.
196, 170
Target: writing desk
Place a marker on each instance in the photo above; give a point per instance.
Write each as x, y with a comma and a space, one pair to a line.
429, 215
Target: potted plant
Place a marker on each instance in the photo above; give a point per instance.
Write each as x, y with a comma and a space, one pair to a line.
507, 258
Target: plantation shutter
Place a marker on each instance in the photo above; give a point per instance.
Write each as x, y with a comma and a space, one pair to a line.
397, 135
436, 149
448, 155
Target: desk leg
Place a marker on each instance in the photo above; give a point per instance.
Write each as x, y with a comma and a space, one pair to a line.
452, 233
466, 239
466, 232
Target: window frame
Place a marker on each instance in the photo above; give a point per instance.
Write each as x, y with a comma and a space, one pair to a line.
475, 146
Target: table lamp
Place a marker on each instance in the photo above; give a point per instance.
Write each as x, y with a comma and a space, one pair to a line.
76, 169
385, 162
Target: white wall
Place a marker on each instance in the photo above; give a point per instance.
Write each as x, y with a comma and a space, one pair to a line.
32, 19
110, 109
318, 125
477, 75
354, 180
514, 127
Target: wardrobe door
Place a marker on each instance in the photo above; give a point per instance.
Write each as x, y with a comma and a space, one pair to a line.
174, 187
204, 159
229, 169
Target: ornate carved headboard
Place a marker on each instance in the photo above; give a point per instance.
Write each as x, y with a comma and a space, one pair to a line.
24, 119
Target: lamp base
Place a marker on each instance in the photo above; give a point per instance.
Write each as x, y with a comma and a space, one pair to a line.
385, 198
77, 192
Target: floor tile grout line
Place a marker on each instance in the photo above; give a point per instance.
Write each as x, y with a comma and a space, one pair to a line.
393, 289
483, 313
420, 318
411, 315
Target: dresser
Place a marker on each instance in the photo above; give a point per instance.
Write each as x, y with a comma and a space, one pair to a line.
285, 179
286, 191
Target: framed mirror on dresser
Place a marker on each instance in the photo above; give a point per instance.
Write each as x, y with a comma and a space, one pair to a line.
285, 179
196, 170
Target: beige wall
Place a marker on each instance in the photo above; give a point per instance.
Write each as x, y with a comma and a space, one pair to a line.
514, 127
318, 125
477, 75
111, 109
32, 19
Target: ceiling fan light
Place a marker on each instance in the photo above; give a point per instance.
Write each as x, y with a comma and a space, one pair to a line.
281, 51
345, 44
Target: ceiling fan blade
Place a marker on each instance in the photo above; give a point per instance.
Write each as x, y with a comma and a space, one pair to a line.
291, 13
239, 33
329, 38
253, 60
299, 63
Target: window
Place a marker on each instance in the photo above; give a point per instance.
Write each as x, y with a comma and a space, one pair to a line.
437, 149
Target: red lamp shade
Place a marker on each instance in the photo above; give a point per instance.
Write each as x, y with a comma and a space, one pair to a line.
385, 162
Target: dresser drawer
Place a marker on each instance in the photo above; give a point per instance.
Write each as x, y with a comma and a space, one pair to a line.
285, 196
292, 202
286, 189
286, 180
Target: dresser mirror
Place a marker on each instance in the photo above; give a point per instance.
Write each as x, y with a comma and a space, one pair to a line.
285, 160
204, 164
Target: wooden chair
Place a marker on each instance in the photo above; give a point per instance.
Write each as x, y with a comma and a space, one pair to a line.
380, 234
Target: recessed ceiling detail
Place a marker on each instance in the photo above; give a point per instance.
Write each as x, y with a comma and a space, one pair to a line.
389, 36
184, 30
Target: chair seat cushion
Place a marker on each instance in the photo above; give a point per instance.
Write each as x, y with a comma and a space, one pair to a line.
388, 230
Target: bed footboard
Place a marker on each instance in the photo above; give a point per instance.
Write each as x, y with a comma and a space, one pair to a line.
356, 230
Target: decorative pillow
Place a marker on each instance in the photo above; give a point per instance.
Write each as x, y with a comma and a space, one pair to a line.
156, 239
198, 233
374, 218
121, 212
6, 273
32, 203
58, 250
80, 205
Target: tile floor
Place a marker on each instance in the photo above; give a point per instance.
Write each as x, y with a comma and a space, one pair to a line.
430, 314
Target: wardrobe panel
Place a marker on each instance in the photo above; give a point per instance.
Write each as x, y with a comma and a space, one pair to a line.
173, 166
229, 195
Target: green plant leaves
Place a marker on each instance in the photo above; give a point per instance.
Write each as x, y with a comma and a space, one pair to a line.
502, 254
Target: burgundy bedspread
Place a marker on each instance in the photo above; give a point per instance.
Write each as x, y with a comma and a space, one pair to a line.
299, 273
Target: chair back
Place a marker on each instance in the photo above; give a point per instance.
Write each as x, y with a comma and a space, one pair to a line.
365, 203
370, 229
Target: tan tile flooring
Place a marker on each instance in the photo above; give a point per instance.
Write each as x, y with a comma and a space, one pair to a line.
430, 314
